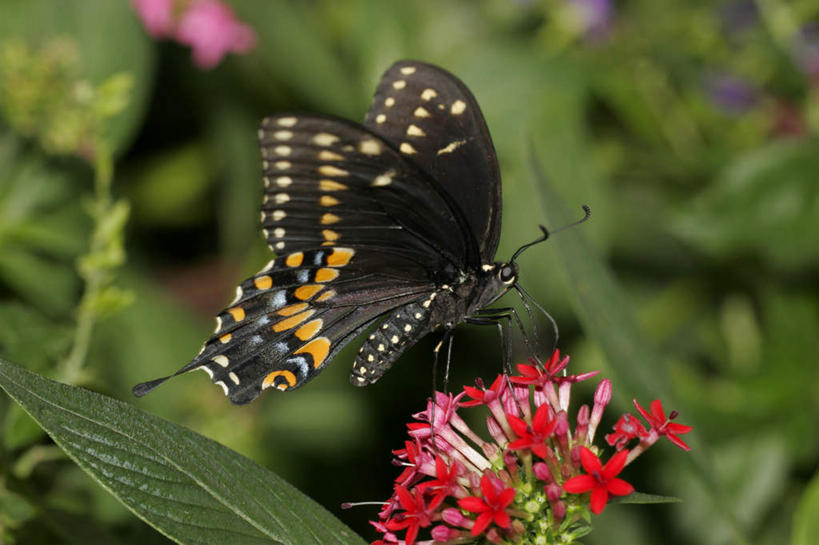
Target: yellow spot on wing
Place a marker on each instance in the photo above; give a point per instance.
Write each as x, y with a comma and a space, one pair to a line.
389, 102
325, 275
458, 107
420, 112
306, 292
406, 148
325, 139
331, 185
329, 218
329, 294
294, 260
293, 321
263, 282
380, 118
225, 338
329, 170
327, 200
415, 130
400, 84
292, 309
318, 348
238, 313
370, 147
330, 235
288, 376
327, 155
340, 257
309, 330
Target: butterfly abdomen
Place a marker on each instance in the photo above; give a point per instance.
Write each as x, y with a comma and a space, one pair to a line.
395, 335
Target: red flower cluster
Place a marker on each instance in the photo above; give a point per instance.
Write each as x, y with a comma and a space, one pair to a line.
533, 481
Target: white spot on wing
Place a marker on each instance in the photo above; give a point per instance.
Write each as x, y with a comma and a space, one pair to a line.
221, 360
420, 111
287, 121
380, 118
284, 181
238, 295
389, 102
325, 139
279, 215
452, 146
415, 130
207, 370
458, 107
223, 385
406, 148
428, 94
283, 135
282, 150
407, 70
234, 377
281, 198
400, 84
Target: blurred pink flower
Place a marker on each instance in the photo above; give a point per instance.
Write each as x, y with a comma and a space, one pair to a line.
156, 15
211, 29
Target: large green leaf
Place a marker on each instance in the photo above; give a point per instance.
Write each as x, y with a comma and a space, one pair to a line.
190, 488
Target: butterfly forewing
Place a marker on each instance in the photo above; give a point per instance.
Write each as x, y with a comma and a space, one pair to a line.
328, 181
431, 117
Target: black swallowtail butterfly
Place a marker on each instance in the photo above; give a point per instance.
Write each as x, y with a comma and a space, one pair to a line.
398, 217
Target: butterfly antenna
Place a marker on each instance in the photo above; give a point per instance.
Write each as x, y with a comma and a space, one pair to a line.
547, 233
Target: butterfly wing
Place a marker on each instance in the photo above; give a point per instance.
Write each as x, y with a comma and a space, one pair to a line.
360, 231
433, 119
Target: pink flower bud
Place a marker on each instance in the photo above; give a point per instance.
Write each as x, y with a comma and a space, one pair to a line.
454, 517
442, 533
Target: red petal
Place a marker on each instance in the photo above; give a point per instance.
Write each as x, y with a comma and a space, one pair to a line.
599, 497
523, 442
673, 427
677, 441
539, 449
527, 371
589, 460
657, 411
502, 519
619, 487
440, 468
412, 533
406, 499
541, 418
615, 465
474, 393
518, 425
473, 504
642, 411
579, 484
488, 488
506, 497
481, 523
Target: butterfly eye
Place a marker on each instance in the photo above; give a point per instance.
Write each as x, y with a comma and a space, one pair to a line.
506, 274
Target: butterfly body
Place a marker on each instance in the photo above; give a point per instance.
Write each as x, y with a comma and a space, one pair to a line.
395, 220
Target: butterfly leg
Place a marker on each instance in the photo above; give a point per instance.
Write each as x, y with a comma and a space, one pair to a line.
508, 313
504, 337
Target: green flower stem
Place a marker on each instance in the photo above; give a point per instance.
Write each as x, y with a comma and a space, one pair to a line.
96, 277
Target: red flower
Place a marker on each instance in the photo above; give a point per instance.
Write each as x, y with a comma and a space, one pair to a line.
662, 425
480, 395
446, 482
626, 429
601, 480
416, 514
533, 437
491, 507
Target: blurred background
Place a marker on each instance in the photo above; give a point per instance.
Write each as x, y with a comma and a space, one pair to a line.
129, 196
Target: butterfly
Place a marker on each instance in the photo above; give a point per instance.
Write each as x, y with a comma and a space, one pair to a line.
396, 220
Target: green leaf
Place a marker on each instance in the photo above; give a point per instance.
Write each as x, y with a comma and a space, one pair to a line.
806, 521
639, 497
190, 488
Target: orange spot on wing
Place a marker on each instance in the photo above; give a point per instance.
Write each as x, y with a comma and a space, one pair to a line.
306, 292
340, 257
292, 309
318, 348
331, 185
238, 313
327, 200
325, 275
225, 338
293, 321
294, 260
309, 330
263, 282
270, 380
330, 235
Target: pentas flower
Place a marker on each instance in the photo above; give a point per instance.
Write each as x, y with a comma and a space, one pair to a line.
529, 477
209, 27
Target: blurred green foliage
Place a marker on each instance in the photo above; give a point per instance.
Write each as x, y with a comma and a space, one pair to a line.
691, 129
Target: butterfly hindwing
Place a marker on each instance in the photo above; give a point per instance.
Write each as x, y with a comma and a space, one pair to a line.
288, 320
433, 119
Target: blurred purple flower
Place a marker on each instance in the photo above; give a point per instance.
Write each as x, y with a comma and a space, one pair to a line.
806, 49
738, 15
212, 31
156, 16
731, 93
209, 27
594, 17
